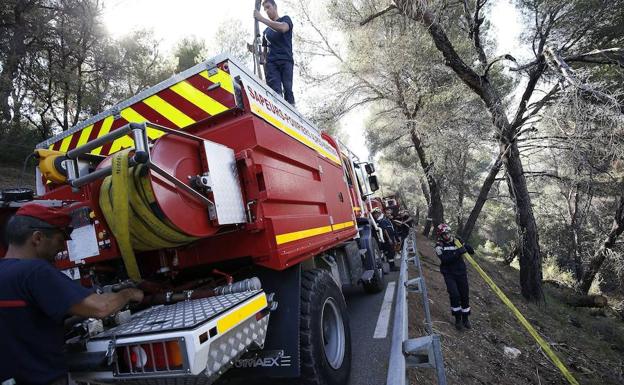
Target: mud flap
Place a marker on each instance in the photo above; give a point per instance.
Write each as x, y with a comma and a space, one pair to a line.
280, 356
365, 241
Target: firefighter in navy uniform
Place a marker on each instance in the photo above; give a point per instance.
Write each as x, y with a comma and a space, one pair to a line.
453, 269
277, 40
391, 239
35, 298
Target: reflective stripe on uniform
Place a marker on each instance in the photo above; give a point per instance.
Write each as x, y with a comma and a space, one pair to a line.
13, 303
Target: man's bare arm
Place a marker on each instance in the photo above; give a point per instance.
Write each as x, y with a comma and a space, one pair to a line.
278, 26
103, 305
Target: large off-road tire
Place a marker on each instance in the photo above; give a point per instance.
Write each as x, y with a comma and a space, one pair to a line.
378, 283
325, 338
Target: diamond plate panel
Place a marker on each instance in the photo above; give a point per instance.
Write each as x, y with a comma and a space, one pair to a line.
233, 344
181, 315
226, 188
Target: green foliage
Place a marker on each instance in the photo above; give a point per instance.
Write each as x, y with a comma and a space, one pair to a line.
491, 250
232, 37
190, 51
17, 144
552, 271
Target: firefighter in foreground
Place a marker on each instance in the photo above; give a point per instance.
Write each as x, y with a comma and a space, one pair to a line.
35, 298
450, 250
277, 38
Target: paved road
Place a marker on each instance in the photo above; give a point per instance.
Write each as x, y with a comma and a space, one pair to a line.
369, 364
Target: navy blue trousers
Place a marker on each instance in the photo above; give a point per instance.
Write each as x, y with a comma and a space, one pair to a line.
280, 74
457, 287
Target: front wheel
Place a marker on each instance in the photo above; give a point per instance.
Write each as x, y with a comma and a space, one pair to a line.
325, 335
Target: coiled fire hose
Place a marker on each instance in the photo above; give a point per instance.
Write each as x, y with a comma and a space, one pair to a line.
133, 215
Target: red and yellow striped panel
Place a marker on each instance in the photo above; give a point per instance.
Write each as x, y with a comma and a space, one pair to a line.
182, 104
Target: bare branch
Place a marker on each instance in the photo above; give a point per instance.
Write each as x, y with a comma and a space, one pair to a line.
378, 14
611, 56
499, 58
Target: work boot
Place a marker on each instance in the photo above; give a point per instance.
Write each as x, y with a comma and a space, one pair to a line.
466, 322
458, 322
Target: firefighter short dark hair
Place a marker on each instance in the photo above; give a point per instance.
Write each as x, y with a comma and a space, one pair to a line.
272, 2
20, 228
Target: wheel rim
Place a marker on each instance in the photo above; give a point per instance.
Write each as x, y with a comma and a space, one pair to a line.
333, 333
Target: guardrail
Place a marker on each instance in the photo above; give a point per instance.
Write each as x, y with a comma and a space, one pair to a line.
420, 352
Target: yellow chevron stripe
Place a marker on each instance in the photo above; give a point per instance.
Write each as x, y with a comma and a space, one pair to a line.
65, 143
84, 135
340, 226
221, 77
106, 126
290, 237
198, 98
284, 128
161, 106
131, 116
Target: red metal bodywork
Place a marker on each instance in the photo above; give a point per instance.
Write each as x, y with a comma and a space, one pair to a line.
298, 199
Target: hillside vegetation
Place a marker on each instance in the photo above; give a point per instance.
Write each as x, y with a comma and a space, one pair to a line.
589, 342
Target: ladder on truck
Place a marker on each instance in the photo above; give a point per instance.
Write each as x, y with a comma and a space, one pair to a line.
423, 352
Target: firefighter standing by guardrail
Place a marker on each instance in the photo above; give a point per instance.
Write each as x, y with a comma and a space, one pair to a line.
391, 239
453, 269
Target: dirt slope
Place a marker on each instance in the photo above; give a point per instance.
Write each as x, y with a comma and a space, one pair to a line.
591, 347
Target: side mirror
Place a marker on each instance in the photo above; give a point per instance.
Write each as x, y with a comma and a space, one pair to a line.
370, 168
372, 182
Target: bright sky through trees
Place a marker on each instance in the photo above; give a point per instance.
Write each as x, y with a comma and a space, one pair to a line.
171, 21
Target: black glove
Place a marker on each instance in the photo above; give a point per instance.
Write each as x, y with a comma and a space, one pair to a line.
461, 250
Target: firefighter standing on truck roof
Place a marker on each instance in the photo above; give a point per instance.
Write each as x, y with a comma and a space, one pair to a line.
35, 298
453, 269
277, 38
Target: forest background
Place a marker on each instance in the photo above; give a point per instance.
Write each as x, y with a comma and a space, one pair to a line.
521, 152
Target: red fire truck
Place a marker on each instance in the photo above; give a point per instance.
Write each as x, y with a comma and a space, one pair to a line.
240, 220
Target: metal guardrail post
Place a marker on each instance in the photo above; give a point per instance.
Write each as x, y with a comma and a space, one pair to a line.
423, 352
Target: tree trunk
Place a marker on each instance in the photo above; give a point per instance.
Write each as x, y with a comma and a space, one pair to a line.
530, 255
15, 55
481, 198
427, 224
586, 301
461, 193
436, 210
599, 256
573, 212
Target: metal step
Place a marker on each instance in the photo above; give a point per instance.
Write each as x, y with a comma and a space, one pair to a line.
206, 335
